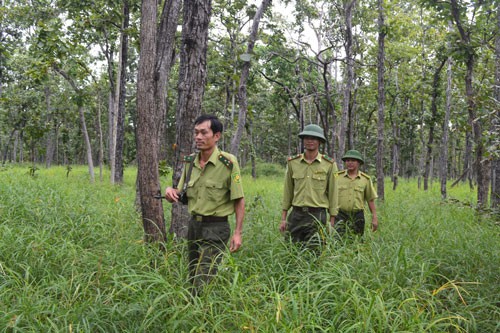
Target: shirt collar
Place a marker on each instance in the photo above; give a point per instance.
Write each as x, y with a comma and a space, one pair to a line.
213, 158
347, 174
317, 158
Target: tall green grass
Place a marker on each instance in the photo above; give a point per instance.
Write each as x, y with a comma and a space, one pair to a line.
72, 260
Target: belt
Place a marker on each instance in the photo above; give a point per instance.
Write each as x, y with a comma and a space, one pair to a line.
201, 218
310, 209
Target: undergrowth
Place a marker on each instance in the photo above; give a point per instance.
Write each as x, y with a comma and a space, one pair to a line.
72, 260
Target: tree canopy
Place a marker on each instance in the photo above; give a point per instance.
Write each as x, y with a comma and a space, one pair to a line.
313, 61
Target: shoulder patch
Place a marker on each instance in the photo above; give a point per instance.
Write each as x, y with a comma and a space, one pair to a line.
226, 161
364, 175
328, 158
189, 158
340, 172
294, 157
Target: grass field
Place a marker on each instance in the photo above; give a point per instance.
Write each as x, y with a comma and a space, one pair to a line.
72, 260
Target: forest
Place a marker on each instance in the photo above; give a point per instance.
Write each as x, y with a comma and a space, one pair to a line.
97, 103
413, 85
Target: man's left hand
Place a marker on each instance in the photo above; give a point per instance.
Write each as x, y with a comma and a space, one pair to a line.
235, 243
374, 224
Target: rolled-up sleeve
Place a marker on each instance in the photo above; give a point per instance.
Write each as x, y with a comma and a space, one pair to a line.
333, 193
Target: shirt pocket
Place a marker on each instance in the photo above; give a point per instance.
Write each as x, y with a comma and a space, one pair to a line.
319, 180
215, 191
298, 178
359, 190
343, 188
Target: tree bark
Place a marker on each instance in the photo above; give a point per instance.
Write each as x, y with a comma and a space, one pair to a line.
86, 138
52, 134
349, 78
147, 129
381, 100
121, 91
495, 174
432, 123
444, 141
242, 89
482, 171
101, 137
191, 87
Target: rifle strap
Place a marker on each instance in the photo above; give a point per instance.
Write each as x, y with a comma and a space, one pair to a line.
188, 175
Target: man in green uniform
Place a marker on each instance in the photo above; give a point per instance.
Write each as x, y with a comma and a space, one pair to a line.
310, 189
355, 188
214, 191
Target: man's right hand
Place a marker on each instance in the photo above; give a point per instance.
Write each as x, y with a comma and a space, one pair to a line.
172, 194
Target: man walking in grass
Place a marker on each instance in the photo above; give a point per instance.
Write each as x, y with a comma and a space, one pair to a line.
310, 190
214, 191
355, 188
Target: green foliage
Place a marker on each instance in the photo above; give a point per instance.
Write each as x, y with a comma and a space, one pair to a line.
164, 168
72, 259
32, 171
265, 170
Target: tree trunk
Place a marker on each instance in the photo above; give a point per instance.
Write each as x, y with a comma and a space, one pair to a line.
148, 128
495, 174
101, 137
88, 146
242, 89
51, 135
482, 166
191, 87
121, 90
396, 131
381, 100
349, 78
444, 141
432, 123
112, 110
85, 133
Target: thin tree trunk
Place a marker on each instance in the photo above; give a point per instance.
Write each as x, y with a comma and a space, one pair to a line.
481, 165
349, 78
381, 100
51, 135
432, 123
444, 141
85, 133
242, 89
101, 137
121, 90
495, 124
395, 147
88, 146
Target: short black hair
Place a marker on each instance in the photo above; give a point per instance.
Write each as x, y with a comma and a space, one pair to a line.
215, 124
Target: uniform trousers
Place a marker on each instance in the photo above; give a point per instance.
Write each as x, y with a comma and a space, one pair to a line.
350, 222
304, 223
207, 242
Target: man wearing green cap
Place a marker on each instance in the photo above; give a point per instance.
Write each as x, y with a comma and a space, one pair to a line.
355, 188
310, 189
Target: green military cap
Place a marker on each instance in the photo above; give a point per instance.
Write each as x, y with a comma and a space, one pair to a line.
314, 131
353, 154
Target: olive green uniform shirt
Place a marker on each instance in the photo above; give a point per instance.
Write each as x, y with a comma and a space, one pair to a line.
311, 185
354, 192
211, 191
